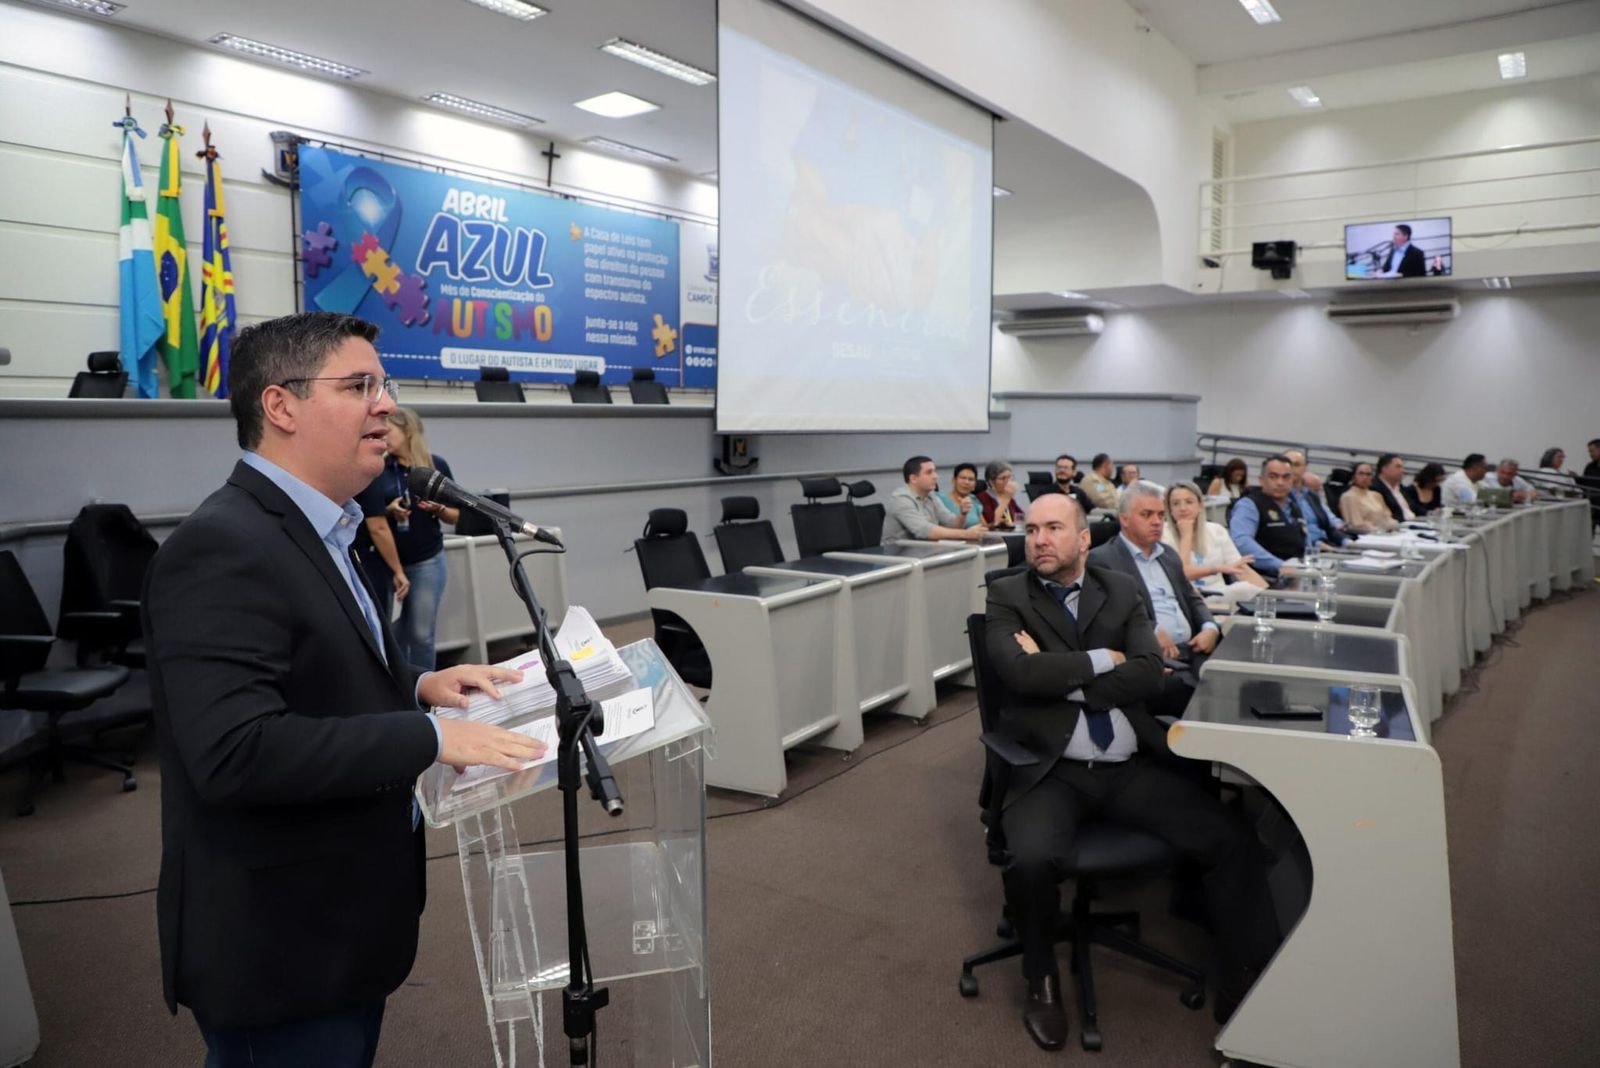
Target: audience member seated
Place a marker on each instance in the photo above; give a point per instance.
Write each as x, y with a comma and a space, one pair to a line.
962, 500
915, 513
1067, 481
1097, 483
1127, 475
1424, 494
1364, 510
1079, 705
1461, 488
1265, 523
1210, 559
1505, 477
1553, 465
1322, 529
1391, 469
1234, 482
1184, 627
1591, 480
999, 501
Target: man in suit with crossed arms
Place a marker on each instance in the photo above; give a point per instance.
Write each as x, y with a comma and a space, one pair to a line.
1075, 648
290, 728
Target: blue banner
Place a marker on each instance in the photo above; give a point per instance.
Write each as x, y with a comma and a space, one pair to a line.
461, 274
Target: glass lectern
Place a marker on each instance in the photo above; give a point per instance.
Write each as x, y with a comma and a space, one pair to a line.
644, 887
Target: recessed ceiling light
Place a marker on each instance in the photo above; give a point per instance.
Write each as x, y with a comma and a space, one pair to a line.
1261, 11
1305, 97
286, 56
656, 61
1001, 191
87, 7
606, 144
520, 10
616, 105
1513, 65
481, 110
1073, 294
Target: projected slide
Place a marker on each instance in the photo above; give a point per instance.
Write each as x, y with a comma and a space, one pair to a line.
855, 238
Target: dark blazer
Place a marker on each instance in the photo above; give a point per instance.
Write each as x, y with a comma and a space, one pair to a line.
1114, 554
1413, 264
1037, 714
291, 879
1390, 499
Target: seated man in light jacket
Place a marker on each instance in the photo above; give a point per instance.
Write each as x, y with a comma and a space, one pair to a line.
916, 514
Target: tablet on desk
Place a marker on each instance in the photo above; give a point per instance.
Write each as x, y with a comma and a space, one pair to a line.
1290, 711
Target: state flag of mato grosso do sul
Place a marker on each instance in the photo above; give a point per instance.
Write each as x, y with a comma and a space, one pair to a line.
180, 347
139, 320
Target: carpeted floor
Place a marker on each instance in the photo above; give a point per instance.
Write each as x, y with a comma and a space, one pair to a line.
839, 915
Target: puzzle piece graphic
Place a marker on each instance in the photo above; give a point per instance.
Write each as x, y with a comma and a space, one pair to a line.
409, 300
364, 248
574, 231
666, 338
382, 270
319, 246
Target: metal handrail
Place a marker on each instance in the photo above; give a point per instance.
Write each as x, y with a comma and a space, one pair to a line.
1406, 161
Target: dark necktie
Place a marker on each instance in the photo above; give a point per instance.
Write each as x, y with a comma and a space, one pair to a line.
1101, 731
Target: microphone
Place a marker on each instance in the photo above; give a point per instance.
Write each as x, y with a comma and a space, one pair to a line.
430, 485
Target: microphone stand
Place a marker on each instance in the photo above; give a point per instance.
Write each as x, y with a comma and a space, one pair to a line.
578, 720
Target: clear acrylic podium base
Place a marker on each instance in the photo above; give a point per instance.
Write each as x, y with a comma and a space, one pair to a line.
643, 889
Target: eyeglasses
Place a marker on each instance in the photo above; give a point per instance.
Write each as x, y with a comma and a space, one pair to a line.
368, 386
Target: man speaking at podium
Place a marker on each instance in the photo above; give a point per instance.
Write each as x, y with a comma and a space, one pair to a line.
290, 728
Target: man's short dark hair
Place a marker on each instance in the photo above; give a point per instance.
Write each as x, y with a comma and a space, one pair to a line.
1067, 456
278, 350
1383, 460
1404, 228
1276, 457
913, 465
1594, 443
1099, 458
1474, 459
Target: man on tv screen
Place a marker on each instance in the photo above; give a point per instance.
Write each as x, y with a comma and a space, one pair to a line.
1405, 260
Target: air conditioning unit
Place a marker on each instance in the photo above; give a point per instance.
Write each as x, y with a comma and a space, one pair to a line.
1053, 324
1429, 310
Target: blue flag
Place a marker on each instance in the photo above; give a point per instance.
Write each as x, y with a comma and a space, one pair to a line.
141, 321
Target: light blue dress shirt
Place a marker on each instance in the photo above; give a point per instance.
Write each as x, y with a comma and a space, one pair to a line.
1163, 598
1242, 529
336, 525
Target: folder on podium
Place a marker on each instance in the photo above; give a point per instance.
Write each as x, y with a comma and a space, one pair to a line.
644, 887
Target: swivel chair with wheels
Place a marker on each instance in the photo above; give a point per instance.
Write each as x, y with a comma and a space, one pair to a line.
743, 538
670, 556
822, 525
105, 377
586, 388
869, 517
26, 685
644, 389
1102, 849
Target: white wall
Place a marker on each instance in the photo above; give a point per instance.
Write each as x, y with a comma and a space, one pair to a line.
1086, 72
1510, 191
1516, 373
62, 82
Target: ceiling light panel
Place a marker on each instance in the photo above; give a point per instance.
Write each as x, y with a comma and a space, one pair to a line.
1305, 97
87, 7
1001, 191
656, 61
1260, 10
480, 110
288, 57
512, 9
1513, 65
606, 144
616, 105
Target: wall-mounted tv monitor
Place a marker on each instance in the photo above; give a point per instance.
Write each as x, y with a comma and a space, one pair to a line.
1401, 248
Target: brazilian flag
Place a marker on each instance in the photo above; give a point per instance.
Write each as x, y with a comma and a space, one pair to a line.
180, 345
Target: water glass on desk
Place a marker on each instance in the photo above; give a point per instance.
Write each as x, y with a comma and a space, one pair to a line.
1365, 704
1266, 610
1327, 606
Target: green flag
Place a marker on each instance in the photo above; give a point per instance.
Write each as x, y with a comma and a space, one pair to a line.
180, 345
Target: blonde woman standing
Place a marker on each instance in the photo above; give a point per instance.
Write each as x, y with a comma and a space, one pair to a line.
408, 538
1210, 559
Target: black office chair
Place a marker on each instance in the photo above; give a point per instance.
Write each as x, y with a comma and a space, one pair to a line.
1208, 472
104, 378
1102, 529
822, 525
27, 686
585, 388
1334, 485
105, 557
1041, 482
644, 389
743, 538
494, 386
1102, 849
670, 556
869, 517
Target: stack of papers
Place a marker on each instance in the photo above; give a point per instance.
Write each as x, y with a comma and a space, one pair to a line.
1374, 563
580, 643
625, 716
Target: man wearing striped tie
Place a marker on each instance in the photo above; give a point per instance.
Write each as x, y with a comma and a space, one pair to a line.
1076, 650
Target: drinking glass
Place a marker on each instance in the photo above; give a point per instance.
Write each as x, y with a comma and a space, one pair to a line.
1327, 606
1266, 609
1365, 702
